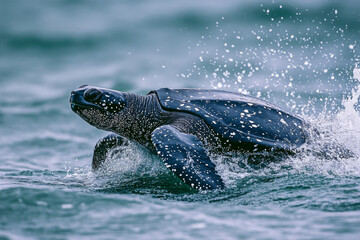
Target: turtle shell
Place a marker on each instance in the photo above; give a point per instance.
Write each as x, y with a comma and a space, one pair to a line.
237, 117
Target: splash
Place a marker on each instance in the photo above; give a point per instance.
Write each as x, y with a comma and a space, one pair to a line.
123, 168
332, 149
274, 61
130, 160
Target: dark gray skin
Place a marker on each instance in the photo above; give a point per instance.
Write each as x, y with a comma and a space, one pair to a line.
182, 126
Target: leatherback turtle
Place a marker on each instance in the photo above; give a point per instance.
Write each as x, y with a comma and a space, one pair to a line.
183, 126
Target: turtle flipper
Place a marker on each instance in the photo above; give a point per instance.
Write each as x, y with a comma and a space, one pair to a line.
104, 146
185, 155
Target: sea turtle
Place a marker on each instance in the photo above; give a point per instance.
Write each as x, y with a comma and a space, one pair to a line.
183, 125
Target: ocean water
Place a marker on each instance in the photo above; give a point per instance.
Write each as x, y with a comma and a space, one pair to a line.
301, 55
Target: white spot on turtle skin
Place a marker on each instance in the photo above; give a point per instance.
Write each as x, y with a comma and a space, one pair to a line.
283, 122
258, 140
233, 133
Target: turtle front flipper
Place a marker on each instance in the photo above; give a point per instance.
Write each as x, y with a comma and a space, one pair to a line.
185, 155
104, 146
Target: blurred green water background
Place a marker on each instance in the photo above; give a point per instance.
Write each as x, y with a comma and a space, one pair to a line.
300, 55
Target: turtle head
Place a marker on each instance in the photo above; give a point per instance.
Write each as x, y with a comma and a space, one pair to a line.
98, 106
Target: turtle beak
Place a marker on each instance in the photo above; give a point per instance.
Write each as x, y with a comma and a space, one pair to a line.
78, 102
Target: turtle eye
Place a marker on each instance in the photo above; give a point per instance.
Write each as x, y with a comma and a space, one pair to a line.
92, 94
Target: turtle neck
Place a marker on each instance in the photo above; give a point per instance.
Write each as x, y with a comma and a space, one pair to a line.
141, 116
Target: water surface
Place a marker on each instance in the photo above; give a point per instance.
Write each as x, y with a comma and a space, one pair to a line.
302, 56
